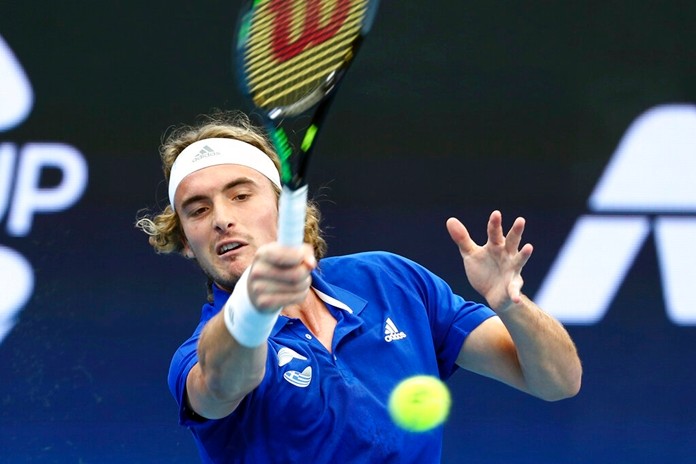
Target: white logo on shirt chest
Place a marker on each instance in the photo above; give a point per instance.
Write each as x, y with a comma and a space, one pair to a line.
391, 332
296, 378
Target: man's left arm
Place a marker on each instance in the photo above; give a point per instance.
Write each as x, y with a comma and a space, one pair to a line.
523, 347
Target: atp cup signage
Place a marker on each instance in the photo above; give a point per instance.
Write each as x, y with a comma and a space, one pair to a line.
21, 193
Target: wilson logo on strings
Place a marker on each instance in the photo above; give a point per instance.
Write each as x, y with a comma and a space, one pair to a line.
320, 24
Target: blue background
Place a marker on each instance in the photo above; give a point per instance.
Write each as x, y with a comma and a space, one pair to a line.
452, 109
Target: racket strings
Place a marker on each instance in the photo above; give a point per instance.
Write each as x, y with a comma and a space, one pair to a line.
279, 84
305, 71
259, 61
325, 22
305, 74
296, 36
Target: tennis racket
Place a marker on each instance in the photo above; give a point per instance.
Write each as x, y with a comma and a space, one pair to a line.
290, 56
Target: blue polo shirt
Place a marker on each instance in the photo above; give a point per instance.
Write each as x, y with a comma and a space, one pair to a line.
394, 319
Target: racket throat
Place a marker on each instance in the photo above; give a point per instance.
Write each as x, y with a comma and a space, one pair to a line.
292, 211
306, 102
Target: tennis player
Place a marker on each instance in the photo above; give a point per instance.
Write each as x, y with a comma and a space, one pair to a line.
296, 353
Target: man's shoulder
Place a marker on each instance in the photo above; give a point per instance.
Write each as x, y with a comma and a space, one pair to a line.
375, 258
370, 265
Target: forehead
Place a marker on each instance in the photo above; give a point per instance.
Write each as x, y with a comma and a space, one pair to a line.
214, 178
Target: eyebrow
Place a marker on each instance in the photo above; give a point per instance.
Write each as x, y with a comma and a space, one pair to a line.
230, 185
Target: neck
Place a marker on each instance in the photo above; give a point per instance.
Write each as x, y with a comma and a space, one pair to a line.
315, 316
310, 309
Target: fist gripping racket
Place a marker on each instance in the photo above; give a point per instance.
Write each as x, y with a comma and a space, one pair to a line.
291, 55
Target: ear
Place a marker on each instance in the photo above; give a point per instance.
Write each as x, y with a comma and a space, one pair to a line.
187, 252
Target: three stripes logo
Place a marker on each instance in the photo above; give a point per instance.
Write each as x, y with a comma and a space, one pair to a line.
647, 190
205, 152
391, 332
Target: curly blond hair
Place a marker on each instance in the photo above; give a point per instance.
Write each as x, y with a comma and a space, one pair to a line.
164, 228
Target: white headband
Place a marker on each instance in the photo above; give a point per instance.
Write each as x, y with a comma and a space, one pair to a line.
212, 152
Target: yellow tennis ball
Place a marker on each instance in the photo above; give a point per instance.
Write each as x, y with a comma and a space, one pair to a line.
419, 403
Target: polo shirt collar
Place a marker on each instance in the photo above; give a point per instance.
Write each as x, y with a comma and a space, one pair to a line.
330, 294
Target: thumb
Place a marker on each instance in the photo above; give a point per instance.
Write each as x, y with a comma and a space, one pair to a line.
460, 235
515, 291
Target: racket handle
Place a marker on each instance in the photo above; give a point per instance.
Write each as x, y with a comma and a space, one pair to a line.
292, 209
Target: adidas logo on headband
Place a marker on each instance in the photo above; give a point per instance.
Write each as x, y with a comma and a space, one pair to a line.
216, 151
205, 152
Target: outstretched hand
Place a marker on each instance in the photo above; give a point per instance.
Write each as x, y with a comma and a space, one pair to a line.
494, 269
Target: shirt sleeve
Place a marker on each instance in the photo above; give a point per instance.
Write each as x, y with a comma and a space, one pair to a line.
451, 317
451, 325
182, 362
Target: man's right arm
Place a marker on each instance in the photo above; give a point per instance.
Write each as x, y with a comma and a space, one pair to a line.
232, 348
225, 373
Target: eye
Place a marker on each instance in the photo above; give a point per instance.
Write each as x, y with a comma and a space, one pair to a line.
241, 196
194, 212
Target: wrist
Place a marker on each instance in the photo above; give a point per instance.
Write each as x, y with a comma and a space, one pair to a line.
510, 306
247, 325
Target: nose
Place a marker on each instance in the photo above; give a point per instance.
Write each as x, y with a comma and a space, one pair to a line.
223, 216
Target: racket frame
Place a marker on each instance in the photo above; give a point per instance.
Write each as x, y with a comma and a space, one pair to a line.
294, 193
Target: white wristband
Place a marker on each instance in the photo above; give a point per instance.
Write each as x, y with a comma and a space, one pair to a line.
249, 326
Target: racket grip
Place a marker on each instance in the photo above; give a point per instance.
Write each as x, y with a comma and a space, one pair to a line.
292, 209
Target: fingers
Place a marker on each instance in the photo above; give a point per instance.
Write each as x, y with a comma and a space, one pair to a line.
280, 275
512, 240
495, 228
496, 238
514, 236
282, 257
275, 262
524, 255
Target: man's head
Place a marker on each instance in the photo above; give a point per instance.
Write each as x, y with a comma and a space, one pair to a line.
199, 162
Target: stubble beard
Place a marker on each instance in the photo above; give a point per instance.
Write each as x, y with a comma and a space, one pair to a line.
223, 279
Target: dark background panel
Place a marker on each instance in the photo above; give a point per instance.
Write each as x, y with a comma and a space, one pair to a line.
452, 109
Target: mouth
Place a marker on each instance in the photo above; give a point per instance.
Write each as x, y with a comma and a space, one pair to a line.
229, 247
